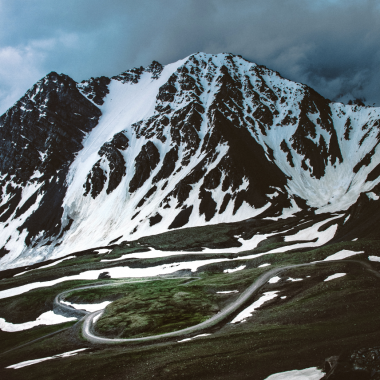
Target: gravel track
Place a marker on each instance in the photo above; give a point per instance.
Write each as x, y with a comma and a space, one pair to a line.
87, 327
87, 318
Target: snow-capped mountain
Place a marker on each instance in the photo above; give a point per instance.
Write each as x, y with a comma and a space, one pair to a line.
205, 140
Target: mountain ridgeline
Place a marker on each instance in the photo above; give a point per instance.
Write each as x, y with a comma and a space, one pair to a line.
206, 140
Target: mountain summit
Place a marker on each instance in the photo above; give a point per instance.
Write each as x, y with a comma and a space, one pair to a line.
206, 140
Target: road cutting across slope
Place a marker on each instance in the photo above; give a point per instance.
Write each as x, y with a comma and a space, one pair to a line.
88, 322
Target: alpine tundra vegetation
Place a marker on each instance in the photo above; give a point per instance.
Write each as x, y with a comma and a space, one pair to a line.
207, 219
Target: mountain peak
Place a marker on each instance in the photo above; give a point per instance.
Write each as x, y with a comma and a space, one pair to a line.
209, 139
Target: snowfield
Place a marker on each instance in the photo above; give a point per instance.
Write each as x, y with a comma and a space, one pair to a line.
48, 318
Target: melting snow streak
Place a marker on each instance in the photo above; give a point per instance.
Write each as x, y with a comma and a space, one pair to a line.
241, 317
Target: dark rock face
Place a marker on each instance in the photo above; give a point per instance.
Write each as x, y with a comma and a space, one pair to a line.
284, 147
45, 128
182, 218
115, 159
110, 151
182, 190
168, 165
363, 221
41, 134
375, 173
131, 76
246, 159
208, 205
155, 68
155, 219
147, 196
347, 129
96, 180
95, 89
104, 275
145, 162
134, 75
317, 154
168, 90
360, 364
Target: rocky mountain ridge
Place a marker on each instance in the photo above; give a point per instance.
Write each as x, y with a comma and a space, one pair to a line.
206, 140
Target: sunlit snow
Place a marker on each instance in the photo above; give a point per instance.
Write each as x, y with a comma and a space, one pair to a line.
343, 254
246, 313
48, 318
228, 291
312, 373
234, 269
35, 361
374, 258
309, 233
197, 336
102, 251
372, 196
91, 307
334, 276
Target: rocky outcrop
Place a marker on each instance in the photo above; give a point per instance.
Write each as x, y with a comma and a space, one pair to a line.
40, 136
145, 162
113, 158
95, 89
358, 364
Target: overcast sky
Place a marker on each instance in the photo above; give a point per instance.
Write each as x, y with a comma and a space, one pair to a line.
331, 45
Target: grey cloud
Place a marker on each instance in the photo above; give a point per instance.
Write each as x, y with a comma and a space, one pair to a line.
331, 45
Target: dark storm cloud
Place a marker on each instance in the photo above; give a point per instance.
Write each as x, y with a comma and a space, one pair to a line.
333, 46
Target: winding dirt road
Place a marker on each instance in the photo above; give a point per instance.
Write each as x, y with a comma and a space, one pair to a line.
87, 327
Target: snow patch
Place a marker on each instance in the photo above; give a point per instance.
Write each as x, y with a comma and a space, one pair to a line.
35, 361
48, 318
234, 269
197, 336
246, 313
312, 373
310, 233
102, 251
372, 196
342, 255
334, 276
228, 291
373, 258
91, 307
